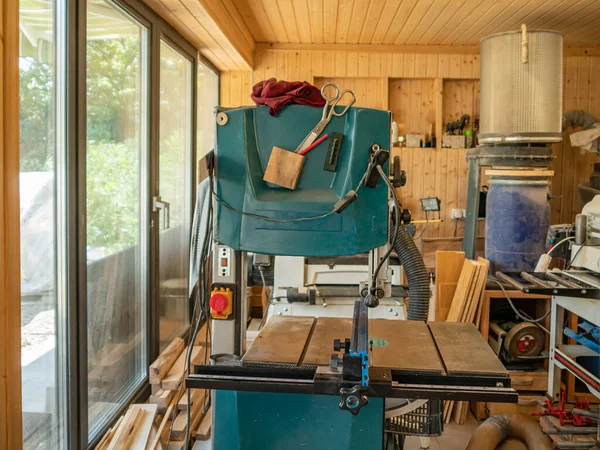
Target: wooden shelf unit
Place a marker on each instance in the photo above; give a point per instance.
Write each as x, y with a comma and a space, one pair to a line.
425, 105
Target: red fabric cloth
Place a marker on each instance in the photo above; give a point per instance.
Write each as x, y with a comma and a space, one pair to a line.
277, 94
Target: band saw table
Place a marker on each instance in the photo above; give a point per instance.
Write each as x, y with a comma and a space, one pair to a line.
287, 378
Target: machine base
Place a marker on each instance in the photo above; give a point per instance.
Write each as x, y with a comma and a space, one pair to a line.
275, 421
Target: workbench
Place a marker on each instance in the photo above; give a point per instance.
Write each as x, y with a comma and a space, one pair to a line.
439, 360
285, 378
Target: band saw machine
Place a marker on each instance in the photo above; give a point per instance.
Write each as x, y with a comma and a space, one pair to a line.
325, 382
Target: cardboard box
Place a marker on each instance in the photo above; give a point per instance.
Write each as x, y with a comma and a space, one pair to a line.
453, 141
415, 140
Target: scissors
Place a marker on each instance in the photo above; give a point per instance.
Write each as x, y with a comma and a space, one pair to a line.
328, 112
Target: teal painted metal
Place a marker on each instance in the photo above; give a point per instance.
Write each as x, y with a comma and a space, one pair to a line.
272, 421
243, 147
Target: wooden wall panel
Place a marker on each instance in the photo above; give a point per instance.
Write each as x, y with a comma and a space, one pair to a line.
387, 78
10, 298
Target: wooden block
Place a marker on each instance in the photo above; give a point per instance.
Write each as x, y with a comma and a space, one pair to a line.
173, 378
196, 396
124, 436
155, 389
162, 399
180, 422
203, 431
164, 362
284, 168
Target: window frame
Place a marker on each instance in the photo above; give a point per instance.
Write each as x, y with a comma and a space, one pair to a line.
76, 239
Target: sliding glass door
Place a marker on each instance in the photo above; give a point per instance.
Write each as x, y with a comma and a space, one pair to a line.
43, 230
174, 182
116, 213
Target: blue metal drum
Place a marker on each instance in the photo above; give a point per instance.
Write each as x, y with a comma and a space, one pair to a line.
517, 221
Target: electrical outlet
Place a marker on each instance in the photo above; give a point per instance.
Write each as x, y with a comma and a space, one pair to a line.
457, 213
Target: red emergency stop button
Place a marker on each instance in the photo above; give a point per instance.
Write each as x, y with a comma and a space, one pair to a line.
219, 303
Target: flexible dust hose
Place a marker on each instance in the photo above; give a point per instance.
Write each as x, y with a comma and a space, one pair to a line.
416, 273
495, 430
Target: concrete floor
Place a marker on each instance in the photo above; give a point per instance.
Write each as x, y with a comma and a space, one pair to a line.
454, 437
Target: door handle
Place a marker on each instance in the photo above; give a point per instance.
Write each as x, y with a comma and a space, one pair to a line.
158, 204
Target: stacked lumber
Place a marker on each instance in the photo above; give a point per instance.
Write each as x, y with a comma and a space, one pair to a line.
132, 431
465, 306
164, 417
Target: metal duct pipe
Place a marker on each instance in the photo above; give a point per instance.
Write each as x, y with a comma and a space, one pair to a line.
416, 274
578, 118
495, 430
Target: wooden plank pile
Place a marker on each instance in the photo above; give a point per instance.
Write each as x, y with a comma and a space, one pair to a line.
460, 284
147, 426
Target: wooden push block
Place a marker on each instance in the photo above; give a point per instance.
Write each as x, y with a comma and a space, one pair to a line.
284, 168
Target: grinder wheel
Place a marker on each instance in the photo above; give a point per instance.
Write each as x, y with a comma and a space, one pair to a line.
524, 339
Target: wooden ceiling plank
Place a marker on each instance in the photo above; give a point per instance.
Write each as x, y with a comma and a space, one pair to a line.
315, 12
371, 21
385, 21
581, 26
435, 12
542, 16
468, 21
577, 20
344, 19
194, 16
236, 17
289, 19
488, 22
515, 20
330, 10
541, 10
273, 15
359, 12
415, 18
401, 17
556, 20
249, 18
445, 16
236, 34
302, 20
195, 34
588, 37
251, 11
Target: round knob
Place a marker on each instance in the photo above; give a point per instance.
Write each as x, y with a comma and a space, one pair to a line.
219, 303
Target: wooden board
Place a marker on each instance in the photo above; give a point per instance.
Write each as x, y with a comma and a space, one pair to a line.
326, 330
282, 340
465, 281
410, 348
445, 294
159, 368
463, 349
173, 378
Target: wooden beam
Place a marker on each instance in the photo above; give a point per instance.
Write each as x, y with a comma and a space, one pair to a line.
370, 48
10, 279
221, 19
389, 48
